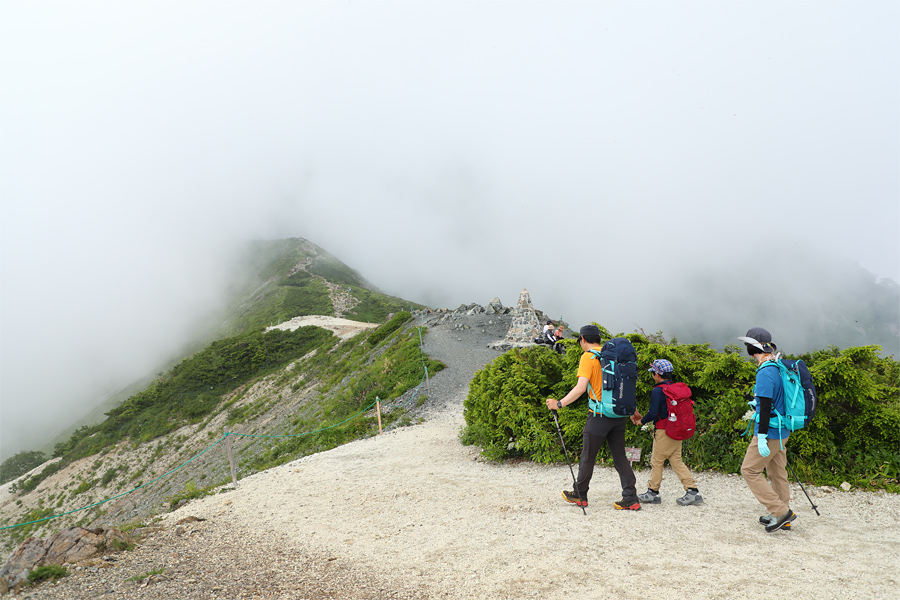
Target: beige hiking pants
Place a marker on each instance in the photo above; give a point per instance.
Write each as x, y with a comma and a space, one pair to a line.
665, 448
774, 494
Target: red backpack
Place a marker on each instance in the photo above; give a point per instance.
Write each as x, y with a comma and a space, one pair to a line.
681, 422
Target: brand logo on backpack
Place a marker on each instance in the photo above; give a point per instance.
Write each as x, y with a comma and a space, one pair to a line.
618, 361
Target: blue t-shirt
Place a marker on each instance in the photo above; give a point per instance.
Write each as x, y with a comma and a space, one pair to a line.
769, 385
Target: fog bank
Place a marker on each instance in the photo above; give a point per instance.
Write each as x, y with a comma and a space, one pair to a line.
640, 165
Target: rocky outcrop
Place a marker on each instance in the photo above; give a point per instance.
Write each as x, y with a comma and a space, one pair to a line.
524, 320
494, 307
70, 545
489, 322
14, 574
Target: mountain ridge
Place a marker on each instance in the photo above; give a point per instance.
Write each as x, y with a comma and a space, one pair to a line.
287, 276
416, 514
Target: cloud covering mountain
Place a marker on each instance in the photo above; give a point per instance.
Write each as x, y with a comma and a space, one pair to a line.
635, 165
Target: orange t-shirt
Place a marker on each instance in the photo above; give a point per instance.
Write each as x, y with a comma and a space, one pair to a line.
589, 366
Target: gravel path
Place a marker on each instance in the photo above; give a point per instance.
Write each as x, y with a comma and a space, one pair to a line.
414, 514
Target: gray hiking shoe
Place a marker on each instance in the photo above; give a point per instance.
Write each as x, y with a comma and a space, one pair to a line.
781, 521
649, 497
690, 497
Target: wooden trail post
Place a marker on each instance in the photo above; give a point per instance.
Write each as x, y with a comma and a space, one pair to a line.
231, 458
378, 412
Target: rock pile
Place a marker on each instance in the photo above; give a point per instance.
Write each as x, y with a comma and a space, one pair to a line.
521, 324
490, 321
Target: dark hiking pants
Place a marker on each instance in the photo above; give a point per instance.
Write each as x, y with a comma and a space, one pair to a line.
597, 430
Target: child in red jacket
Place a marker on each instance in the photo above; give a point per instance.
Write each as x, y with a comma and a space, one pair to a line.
664, 447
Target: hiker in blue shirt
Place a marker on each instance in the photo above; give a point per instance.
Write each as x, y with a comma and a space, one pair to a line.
766, 450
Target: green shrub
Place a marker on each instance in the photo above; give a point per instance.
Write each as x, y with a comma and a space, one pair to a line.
108, 476
83, 487
191, 492
147, 574
122, 546
854, 436
383, 331
19, 464
46, 572
32, 482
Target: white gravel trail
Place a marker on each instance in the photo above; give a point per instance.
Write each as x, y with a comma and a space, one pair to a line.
415, 506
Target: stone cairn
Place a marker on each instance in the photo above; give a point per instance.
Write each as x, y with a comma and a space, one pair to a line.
525, 325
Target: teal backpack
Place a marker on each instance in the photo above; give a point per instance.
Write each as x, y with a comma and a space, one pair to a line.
799, 395
618, 398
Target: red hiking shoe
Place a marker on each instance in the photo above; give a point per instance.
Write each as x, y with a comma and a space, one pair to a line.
574, 499
627, 505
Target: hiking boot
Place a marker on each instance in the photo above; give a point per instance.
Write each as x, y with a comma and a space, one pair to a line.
574, 499
690, 497
627, 504
769, 519
780, 522
649, 497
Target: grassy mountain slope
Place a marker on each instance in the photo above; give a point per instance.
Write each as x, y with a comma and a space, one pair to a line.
273, 281
281, 383
318, 395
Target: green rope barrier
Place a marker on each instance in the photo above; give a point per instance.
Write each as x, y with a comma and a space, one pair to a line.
413, 396
220, 440
120, 495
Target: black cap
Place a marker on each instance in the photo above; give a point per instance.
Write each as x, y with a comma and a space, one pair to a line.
589, 330
759, 338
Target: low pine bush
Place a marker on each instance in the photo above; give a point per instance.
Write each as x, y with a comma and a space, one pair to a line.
854, 436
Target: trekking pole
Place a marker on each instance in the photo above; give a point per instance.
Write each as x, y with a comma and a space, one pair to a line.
815, 508
566, 452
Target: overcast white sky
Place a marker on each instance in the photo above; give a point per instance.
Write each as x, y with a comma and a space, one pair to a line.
449, 151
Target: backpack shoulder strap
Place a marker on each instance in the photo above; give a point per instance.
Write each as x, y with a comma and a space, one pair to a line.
770, 363
593, 396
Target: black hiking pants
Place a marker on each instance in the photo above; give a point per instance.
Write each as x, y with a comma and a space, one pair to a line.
599, 429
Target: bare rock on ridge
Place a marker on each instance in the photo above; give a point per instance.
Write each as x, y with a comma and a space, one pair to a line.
70, 545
